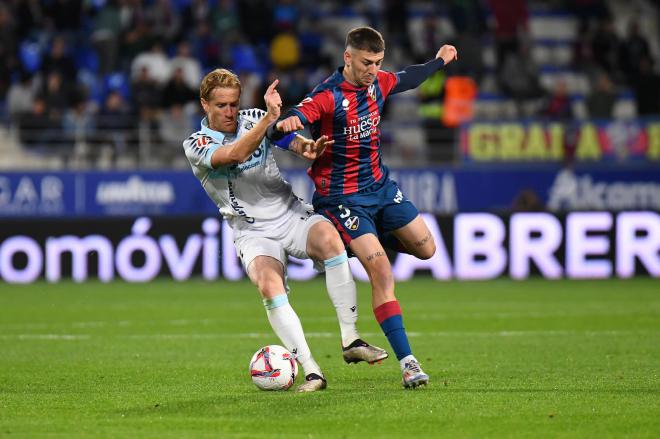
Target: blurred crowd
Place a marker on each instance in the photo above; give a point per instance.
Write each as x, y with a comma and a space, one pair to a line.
105, 76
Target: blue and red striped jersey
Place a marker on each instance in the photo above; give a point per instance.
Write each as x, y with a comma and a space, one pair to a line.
350, 116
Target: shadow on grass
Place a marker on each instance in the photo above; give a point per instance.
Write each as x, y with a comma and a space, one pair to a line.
250, 400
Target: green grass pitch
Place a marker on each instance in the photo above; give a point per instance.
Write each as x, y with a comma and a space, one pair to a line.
575, 359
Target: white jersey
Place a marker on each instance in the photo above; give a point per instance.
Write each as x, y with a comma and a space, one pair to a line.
253, 190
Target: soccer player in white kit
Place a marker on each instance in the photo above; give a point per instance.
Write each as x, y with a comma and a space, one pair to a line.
231, 156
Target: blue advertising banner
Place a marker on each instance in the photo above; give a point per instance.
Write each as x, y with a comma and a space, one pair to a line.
144, 193
39, 194
434, 190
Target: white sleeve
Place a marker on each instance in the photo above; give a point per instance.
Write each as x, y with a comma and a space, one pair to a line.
200, 149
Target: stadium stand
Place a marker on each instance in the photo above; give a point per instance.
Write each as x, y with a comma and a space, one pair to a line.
111, 83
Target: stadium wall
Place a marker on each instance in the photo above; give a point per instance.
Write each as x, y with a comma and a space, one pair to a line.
438, 190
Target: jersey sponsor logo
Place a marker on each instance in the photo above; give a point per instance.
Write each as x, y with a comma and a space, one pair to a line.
352, 223
362, 127
258, 158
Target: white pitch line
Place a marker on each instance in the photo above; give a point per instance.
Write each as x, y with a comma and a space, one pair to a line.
410, 334
65, 337
259, 335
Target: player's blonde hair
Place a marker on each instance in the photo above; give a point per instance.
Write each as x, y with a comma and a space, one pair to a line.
218, 78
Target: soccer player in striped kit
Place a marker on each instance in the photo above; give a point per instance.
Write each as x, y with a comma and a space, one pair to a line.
352, 187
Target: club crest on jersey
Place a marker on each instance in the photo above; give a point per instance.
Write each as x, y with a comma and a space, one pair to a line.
371, 91
352, 223
248, 125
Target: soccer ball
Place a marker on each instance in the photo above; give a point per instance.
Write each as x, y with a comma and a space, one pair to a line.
273, 368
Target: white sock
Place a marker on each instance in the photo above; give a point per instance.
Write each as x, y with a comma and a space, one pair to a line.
343, 294
286, 324
404, 360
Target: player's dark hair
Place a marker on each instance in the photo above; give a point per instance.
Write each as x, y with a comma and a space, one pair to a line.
365, 38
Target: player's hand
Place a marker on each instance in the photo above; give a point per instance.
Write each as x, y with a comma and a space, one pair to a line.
448, 53
290, 124
311, 149
273, 102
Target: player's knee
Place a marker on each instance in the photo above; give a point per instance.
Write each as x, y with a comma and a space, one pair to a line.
334, 245
269, 286
328, 243
427, 251
382, 288
381, 276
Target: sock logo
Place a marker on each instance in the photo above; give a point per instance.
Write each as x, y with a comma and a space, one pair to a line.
294, 351
353, 308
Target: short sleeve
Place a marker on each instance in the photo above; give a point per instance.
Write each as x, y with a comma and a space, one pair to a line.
199, 151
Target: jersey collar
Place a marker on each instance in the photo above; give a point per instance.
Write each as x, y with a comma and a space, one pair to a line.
217, 135
343, 83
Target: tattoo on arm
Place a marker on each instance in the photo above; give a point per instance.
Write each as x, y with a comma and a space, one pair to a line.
423, 241
374, 255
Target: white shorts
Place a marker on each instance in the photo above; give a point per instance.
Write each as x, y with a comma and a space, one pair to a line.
277, 239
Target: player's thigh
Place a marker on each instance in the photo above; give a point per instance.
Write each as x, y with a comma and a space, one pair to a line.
396, 210
264, 260
373, 258
400, 216
417, 238
304, 227
323, 241
267, 273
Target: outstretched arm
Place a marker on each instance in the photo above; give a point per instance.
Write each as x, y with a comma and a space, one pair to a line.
412, 76
309, 149
243, 147
300, 145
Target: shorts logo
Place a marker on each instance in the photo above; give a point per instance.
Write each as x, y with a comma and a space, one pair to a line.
352, 223
398, 197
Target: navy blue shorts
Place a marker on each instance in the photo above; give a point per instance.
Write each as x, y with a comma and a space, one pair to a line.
378, 209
